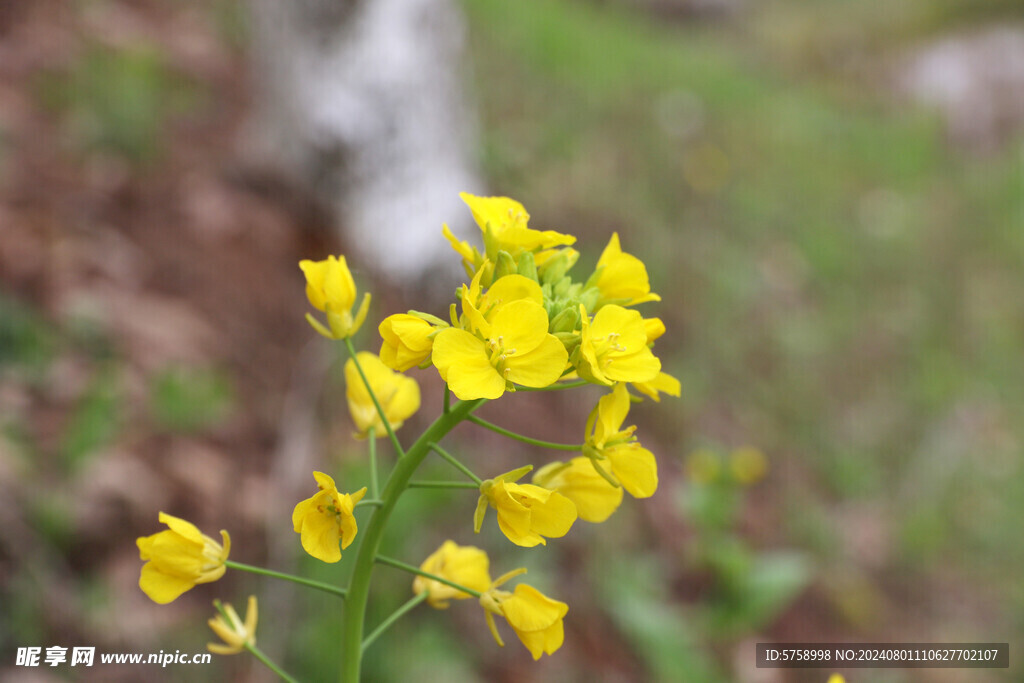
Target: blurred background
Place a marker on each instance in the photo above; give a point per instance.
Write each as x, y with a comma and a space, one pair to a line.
829, 197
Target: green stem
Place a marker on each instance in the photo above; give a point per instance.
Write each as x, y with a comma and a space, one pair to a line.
359, 588
258, 654
374, 486
395, 616
369, 502
420, 484
525, 439
454, 462
376, 403
398, 564
556, 387
447, 398
326, 587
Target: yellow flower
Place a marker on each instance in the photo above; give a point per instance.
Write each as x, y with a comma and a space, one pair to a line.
836, 678
464, 565
179, 558
407, 341
514, 347
613, 347
235, 633
526, 513
631, 465
327, 518
505, 219
399, 396
621, 277
594, 497
330, 288
535, 618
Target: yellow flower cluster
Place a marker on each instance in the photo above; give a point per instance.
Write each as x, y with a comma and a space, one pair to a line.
521, 321
535, 618
525, 322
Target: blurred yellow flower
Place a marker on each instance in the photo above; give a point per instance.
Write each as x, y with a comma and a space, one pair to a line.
621, 277
330, 288
526, 513
631, 465
327, 519
535, 618
399, 396
464, 565
748, 465
594, 497
179, 558
703, 466
235, 633
407, 341
515, 348
613, 347
836, 678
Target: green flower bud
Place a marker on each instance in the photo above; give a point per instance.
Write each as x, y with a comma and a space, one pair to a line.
566, 321
506, 265
527, 266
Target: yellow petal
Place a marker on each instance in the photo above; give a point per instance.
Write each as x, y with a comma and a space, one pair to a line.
511, 288
529, 539
218, 649
612, 410
545, 641
181, 527
554, 516
519, 326
461, 247
465, 565
404, 403
325, 482
635, 468
623, 276
339, 288
398, 395
462, 361
664, 383
530, 610
627, 326
320, 536
495, 211
315, 272
654, 328
160, 587
595, 499
406, 341
513, 514
541, 367
173, 553
641, 366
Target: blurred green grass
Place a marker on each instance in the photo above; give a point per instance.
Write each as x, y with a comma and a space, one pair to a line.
840, 287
